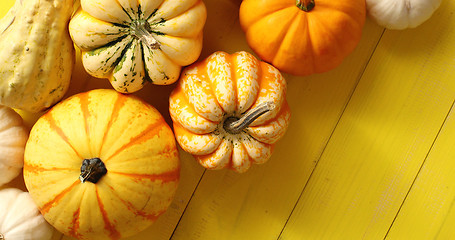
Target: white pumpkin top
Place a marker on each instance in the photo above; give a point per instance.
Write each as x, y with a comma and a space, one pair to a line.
401, 14
20, 218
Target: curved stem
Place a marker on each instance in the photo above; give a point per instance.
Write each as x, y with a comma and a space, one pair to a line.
235, 125
92, 170
141, 30
305, 5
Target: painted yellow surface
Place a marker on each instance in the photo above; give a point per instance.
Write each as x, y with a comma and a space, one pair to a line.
369, 153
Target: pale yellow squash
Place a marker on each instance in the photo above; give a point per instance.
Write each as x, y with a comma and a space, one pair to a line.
135, 42
36, 54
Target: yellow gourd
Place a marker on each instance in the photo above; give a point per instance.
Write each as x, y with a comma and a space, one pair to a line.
36, 54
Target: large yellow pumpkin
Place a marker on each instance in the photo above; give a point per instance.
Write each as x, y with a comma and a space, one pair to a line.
303, 37
101, 165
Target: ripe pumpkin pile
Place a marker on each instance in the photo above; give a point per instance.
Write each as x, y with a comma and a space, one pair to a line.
104, 164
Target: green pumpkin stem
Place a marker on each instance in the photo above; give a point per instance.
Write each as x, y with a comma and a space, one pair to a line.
142, 31
92, 170
234, 125
305, 5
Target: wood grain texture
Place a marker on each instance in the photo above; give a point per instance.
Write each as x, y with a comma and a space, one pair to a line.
383, 137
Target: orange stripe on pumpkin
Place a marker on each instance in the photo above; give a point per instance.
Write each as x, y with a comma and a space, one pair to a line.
137, 212
113, 233
164, 177
37, 169
46, 207
75, 224
143, 136
56, 128
84, 101
119, 103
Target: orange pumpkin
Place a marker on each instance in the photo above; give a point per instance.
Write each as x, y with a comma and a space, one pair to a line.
303, 37
230, 110
101, 165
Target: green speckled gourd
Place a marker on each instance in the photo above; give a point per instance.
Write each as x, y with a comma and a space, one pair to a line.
36, 54
133, 42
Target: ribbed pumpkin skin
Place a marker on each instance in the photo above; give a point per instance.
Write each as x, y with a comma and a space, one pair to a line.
37, 54
401, 14
20, 218
137, 147
13, 136
299, 42
229, 85
132, 43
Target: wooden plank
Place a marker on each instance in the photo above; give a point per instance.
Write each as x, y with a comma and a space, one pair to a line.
256, 204
428, 211
383, 136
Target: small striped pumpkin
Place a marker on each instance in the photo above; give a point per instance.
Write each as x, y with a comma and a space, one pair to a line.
101, 165
229, 110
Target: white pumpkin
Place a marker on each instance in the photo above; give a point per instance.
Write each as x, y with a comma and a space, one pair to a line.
401, 14
20, 218
13, 136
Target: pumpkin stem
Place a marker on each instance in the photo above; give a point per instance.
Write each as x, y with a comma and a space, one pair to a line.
305, 5
2, 237
141, 30
92, 170
234, 125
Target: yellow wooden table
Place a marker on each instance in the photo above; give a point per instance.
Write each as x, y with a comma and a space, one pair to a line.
369, 154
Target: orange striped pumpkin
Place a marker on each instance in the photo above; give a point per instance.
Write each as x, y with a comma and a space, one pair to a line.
229, 110
101, 165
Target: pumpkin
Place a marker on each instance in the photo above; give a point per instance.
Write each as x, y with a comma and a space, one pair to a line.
228, 111
13, 136
101, 165
302, 37
135, 42
20, 218
37, 54
401, 14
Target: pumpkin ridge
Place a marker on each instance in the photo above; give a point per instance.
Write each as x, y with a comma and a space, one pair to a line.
130, 207
284, 29
73, 230
146, 70
165, 177
303, 17
149, 130
252, 158
47, 206
84, 103
56, 128
118, 105
113, 233
211, 82
266, 14
178, 15
124, 10
36, 169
